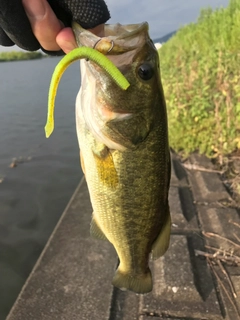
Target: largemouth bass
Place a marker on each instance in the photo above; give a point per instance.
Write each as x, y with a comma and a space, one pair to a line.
124, 150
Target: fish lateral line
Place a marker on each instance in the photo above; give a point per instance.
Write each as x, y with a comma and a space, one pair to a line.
79, 53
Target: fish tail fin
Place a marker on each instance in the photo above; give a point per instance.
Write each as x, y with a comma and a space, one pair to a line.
138, 284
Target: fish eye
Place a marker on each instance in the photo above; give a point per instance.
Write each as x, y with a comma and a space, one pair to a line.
145, 71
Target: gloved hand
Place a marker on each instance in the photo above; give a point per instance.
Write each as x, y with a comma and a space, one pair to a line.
15, 27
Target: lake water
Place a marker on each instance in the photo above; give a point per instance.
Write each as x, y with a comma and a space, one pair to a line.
33, 194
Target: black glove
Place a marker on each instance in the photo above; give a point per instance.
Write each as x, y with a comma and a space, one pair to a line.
16, 29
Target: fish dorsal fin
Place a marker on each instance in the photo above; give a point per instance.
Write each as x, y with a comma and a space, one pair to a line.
161, 244
96, 231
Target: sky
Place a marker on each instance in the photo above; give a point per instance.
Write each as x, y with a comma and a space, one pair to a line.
163, 16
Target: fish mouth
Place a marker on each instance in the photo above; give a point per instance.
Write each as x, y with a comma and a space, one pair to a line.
116, 38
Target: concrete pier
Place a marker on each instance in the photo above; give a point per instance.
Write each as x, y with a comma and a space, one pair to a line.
72, 278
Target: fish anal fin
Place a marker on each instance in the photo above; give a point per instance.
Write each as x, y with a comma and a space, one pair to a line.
96, 231
136, 283
161, 244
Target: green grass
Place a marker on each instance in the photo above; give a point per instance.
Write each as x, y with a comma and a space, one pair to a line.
19, 55
200, 68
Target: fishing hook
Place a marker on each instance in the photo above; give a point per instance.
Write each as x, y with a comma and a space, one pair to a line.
111, 46
109, 50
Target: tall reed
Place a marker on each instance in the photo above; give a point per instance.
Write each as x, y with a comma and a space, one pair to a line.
200, 68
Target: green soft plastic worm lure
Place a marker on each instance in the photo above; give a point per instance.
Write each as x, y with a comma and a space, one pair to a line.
74, 55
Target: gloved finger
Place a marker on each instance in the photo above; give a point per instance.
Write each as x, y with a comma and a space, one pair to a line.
45, 25
4, 39
88, 13
19, 30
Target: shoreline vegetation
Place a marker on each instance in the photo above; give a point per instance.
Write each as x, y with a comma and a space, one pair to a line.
19, 55
200, 71
200, 67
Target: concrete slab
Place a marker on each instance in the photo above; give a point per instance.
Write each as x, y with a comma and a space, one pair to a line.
183, 285
72, 279
220, 221
157, 318
125, 305
184, 218
205, 185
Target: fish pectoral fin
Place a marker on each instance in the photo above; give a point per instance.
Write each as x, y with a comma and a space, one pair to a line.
96, 231
161, 244
106, 168
136, 283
